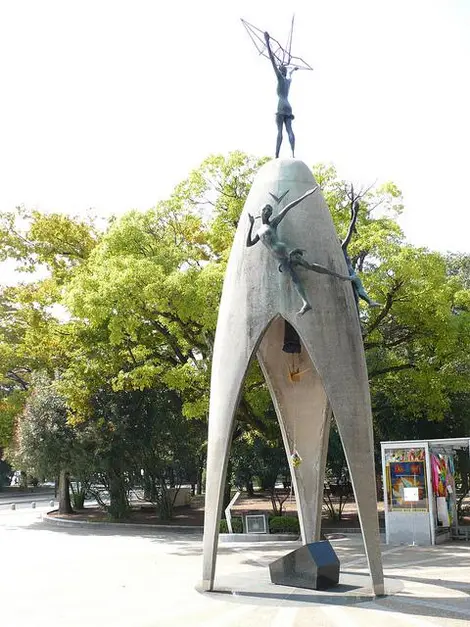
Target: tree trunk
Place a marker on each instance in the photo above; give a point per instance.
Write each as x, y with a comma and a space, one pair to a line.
148, 484
65, 507
200, 471
118, 501
167, 501
171, 477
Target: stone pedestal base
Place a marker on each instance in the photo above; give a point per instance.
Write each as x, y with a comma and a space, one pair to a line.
313, 565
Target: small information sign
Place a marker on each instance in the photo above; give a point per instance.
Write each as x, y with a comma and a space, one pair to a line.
411, 494
255, 523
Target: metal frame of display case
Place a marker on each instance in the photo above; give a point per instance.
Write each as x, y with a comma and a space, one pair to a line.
448, 446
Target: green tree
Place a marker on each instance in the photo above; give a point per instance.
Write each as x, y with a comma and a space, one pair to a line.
46, 249
142, 299
45, 440
168, 449
417, 343
140, 439
38, 241
148, 294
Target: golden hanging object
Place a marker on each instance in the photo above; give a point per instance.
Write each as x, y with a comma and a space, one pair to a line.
295, 374
295, 458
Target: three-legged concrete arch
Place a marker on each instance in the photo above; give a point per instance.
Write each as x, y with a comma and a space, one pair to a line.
256, 298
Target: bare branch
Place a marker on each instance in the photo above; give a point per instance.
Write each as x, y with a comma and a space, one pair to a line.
14, 376
168, 336
397, 342
391, 369
386, 308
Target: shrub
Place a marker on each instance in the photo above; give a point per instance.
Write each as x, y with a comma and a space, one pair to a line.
284, 524
237, 525
78, 500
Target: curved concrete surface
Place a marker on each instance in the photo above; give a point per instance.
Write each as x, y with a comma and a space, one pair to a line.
255, 299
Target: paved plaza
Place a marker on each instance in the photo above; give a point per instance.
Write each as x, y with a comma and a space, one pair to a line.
76, 576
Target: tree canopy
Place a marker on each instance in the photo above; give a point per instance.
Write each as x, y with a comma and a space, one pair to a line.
131, 306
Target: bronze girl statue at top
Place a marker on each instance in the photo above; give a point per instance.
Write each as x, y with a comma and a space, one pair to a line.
284, 115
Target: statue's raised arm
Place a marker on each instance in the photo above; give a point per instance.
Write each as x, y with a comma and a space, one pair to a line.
267, 39
284, 64
282, 214
358, 287
249, 240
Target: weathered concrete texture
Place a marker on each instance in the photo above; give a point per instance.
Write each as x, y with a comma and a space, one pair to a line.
255, 295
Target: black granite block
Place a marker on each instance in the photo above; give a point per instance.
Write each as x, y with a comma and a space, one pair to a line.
314, 566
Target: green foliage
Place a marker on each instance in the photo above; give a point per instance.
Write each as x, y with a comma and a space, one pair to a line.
44, 438
336, 465
56, 241
417, 343
166, 448
284, 524
132, 349
256, 458
79, 491
237, 525
149, 292
5, 474
11, 405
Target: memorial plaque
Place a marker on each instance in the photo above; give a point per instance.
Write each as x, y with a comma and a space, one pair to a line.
255, 523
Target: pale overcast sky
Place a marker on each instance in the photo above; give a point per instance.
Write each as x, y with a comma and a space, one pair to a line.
108, 104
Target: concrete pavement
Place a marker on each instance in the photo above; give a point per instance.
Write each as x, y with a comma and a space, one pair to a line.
134, 578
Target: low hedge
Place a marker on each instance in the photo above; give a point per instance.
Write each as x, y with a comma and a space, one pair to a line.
277, 524
237, 525
284, 524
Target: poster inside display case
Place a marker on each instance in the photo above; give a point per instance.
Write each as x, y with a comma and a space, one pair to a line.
406, 469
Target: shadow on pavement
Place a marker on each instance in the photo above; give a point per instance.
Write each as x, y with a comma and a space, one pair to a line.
401, 598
